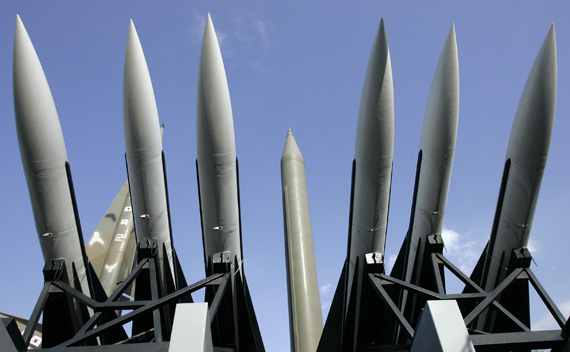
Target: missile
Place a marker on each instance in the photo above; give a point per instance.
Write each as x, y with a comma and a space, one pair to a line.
45, 163
144, 157
433, 174
372, 169
111, 248
305, 319
525, 162
216, 157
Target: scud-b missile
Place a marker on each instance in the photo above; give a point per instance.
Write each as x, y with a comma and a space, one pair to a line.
111, 249
145, 160
525, 162
433, 175
305, 317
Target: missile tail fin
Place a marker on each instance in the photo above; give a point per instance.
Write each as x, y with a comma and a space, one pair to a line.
334, 325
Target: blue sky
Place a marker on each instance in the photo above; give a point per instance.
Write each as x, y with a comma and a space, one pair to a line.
298, 65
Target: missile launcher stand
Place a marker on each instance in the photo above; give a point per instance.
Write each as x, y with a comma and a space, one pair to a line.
227, 299
381, 325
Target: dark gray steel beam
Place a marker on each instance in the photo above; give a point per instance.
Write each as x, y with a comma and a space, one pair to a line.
377, 284
218, 298
151, 306
37, 312
492, 296
547, 300
513, 340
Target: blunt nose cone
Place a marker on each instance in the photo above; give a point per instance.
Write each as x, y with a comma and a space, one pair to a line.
214, 121
140, 115
37, 123
291, 149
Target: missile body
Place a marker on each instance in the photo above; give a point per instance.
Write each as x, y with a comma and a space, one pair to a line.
435, 161
216, 155
44, 159
112, 246
305, 319
372, 174
144, 156
525, 161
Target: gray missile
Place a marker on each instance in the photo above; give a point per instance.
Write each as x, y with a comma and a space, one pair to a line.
435, 161
44, 159
524, 166
216, 156
372, 174
305, 317
112, 246
144, 156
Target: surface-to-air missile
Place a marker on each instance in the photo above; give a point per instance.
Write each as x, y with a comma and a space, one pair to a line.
48, 176
433, 174
218, 190
216, 160
145, 161
370, 194
525, 161
44, 158
112, 247
305, 317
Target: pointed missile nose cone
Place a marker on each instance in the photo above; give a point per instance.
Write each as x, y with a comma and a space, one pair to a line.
532, 127
529, 144
140, 114
291, 149
439, 131
37, 123
214, 120
375, 128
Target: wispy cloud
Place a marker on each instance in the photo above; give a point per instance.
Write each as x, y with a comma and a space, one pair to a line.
197, 30
460, 249
547, 322
242, 39
326, 289
391, 262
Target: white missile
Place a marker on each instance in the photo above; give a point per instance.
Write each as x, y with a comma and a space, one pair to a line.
524, 166
435, 161
44, 158
216, 161
373, 154
305, 317
144, 155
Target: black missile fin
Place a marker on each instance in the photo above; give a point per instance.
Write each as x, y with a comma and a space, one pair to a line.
250, 336
331, 338
207, 268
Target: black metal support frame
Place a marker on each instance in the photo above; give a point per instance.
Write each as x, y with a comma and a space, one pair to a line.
92, 332
520, 337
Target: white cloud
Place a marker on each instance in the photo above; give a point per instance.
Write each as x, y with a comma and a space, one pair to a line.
533, 246
326, 289
547, 322
197, 30
460, 250
391, 262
